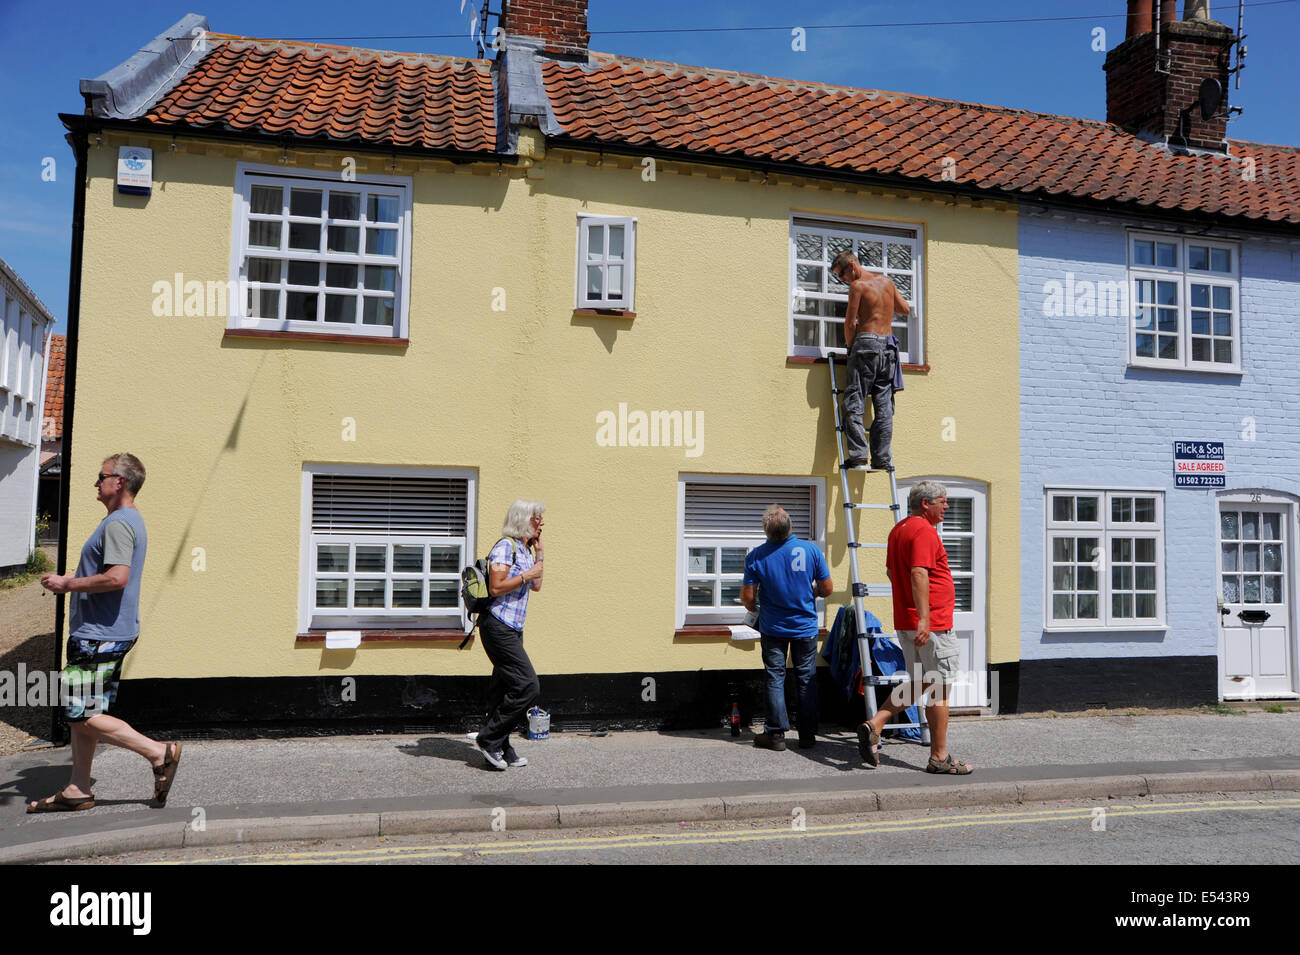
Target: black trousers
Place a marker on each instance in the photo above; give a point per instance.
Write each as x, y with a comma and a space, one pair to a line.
513, 688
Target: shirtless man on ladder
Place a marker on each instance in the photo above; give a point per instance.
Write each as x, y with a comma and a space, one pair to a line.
872, 361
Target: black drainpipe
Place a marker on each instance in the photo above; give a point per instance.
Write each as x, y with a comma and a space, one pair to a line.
77, 139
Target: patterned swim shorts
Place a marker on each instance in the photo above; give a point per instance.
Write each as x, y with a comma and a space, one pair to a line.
89, 680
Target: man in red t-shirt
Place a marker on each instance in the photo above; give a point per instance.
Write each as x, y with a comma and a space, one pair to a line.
923, 603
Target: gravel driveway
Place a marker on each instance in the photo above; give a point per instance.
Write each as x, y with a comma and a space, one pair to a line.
26, 636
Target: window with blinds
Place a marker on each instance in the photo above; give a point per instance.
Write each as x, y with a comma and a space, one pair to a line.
361, 504
387, 549
721, 523
958, 535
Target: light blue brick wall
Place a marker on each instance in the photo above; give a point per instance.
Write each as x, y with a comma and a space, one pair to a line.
1088, 419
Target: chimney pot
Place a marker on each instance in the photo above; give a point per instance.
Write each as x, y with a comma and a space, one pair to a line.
1139, 18
1155, 92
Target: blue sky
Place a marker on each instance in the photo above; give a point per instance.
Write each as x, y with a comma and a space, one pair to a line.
1048, 66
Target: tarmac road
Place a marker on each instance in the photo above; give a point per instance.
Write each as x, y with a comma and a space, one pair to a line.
1244, 828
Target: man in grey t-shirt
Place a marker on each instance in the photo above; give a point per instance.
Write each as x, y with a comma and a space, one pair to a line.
105, 621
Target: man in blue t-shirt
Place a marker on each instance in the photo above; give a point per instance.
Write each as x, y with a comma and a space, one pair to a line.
104, 595
790, 574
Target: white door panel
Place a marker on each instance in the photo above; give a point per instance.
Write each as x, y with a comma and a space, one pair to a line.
1272, 651
1256, 584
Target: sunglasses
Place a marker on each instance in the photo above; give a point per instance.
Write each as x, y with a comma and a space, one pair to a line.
104, 477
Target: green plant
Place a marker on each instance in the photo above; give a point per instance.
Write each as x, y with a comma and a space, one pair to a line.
1223, 709
38, 562
42, 526
1274, 708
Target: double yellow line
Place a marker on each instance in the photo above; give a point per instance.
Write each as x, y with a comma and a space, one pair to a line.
400, 854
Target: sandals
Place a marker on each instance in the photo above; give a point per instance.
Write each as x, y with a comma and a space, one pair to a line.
868, 745
61, 803
948, 765
164, 775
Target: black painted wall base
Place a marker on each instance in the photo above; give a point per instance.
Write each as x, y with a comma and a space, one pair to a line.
269, 706
1113, 682
673, 700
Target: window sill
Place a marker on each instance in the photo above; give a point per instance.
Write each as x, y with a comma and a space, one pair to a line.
717, 630
809, 360
1195, 370
1107, 631
605, 312
390, 636
316, 337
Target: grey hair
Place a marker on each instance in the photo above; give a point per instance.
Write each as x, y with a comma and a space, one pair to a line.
518, 517
129, 468
776, 523
925, 491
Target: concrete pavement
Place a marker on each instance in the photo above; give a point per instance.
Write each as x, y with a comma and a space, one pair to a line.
258, 790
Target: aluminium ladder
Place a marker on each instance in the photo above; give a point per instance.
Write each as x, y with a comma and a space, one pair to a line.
859, 589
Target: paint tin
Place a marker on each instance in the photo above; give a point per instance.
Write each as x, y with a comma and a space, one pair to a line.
539, 723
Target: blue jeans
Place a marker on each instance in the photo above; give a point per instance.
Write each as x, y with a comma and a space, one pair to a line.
871, 375
803, 655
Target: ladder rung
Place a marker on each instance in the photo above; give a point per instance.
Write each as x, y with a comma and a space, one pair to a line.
872, 590
870, 507
876, 546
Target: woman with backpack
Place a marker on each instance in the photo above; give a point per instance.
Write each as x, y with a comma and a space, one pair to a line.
515, 570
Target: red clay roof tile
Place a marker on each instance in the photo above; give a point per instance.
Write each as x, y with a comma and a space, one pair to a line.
52, 420
666, 105
431, 102
340, 94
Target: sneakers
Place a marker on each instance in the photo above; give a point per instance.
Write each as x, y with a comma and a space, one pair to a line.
495, 758
514, 759
773, 741
807, 740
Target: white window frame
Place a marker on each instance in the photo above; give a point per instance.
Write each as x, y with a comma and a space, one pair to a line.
833, 290
685, 614
1106, 530
627, 302
1184, 277
249, 174
22, 369
309, 617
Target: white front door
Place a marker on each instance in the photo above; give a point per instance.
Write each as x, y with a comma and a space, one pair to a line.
1255, 583
964, 532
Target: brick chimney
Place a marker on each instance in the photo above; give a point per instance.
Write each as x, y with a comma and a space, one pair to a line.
1156, 90
561, 24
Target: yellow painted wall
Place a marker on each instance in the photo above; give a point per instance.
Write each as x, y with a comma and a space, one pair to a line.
225, 427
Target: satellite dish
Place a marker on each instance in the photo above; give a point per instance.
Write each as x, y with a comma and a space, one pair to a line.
1211, 97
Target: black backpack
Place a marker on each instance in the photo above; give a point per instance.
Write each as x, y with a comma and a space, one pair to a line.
474, 589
